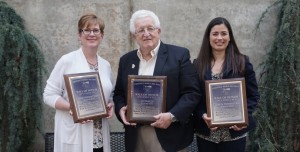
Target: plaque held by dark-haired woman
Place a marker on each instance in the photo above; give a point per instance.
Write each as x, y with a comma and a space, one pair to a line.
226, 102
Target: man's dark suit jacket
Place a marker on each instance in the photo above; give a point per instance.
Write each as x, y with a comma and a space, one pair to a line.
252, 99
183, 95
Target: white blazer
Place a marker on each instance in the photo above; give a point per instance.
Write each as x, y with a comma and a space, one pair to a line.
70, 136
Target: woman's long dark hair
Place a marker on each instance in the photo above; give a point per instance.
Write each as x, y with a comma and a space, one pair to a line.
234, 59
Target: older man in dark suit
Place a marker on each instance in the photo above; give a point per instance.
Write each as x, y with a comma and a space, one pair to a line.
173, 130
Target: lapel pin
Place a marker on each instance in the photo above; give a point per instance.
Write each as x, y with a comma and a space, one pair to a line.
132, 66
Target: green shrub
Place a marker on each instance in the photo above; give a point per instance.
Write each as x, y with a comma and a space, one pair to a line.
21, 71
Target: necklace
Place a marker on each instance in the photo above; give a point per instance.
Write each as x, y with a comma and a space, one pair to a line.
93, 67
92, 63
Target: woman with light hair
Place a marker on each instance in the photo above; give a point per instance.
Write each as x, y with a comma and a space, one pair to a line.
90, 135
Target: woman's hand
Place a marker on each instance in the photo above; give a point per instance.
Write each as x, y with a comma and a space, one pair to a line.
110, 108
236, 128
87, 121
207, 121
62, 104
82, 122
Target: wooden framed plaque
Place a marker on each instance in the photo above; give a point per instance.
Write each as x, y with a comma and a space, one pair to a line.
226, 102
146, 98
85, 96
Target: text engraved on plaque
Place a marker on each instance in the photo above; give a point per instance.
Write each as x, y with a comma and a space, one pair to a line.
85, 96
226, 102
146, 98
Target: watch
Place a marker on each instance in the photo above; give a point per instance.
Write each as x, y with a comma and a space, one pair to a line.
173, 118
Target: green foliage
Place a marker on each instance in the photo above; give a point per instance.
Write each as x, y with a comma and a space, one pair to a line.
278, 113
21, 66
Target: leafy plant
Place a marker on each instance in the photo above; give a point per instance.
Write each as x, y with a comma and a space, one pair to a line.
278, 113
21, 69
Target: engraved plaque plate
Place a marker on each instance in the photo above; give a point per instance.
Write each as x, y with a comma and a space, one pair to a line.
85, 96
226, 102
146, 98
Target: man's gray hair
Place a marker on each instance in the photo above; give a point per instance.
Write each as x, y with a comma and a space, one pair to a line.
143, 13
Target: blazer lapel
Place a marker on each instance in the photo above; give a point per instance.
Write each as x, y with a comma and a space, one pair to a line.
207, 75
161, 59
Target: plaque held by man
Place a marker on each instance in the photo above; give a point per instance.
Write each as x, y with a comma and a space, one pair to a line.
146, 98
226, 102
86, 97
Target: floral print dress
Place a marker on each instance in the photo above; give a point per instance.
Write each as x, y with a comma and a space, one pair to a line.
98, 137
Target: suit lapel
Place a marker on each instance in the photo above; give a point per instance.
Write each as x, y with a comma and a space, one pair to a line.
161, 59
133, 64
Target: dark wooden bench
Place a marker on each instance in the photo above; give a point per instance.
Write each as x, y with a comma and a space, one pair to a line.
117, 142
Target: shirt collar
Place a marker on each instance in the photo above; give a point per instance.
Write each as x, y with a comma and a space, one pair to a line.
153, 52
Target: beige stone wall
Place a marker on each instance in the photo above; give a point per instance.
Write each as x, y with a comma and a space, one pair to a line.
54, 23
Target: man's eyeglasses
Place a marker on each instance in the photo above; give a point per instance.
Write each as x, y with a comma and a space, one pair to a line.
142, 31
88, 31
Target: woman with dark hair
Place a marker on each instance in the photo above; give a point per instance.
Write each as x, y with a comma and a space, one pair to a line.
220, 58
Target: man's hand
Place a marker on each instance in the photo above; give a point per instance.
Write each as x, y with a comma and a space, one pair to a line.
123, 116
163, 120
